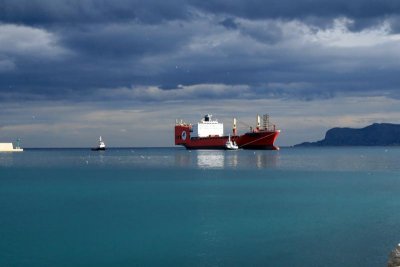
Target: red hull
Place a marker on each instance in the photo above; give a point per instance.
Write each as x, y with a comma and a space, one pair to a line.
257, 140
252, 140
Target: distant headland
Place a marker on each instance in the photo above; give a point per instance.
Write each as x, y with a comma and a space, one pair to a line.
377, 134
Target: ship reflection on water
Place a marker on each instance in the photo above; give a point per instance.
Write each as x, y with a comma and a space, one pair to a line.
210, 160
219, 159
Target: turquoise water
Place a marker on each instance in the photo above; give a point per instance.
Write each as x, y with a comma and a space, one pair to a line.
172, 207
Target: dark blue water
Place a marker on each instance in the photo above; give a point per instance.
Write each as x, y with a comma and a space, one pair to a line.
172, 207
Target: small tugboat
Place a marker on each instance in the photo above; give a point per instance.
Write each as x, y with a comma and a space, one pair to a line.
100, 146
231, 145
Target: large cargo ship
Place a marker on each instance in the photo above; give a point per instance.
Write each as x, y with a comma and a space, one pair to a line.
209, 134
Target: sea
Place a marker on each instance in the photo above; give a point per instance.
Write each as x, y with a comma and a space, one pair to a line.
175, 207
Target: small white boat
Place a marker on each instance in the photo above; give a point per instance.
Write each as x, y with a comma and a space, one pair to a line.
231, 145
100, 146
8, 147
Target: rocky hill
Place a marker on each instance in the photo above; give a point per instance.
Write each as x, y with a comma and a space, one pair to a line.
377, 134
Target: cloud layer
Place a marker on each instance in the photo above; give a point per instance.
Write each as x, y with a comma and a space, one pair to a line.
154, 53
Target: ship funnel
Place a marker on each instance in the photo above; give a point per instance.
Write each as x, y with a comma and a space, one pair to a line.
234, 127
258, 122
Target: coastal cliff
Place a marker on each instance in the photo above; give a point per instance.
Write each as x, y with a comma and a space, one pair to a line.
377, 134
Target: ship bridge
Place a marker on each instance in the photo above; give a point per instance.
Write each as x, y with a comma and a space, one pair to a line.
207, 127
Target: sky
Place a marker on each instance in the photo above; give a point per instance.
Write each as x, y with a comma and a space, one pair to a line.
73, 70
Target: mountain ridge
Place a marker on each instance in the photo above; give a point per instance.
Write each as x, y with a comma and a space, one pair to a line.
376, 134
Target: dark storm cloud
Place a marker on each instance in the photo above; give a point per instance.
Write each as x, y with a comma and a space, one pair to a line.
94, 11
74, 49
71, 69
124, 40
153, 11
288, 9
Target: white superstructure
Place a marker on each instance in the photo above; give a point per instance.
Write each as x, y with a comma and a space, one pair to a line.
101, 145
207, 127
8, 147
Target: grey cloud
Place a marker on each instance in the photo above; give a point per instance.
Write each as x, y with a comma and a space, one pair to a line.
103, 44
287, 9
72, 69
153, 11
229, 23
125, 40
74, 12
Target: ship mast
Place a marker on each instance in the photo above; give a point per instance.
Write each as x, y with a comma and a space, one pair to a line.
258, 123
234, 127
266, 122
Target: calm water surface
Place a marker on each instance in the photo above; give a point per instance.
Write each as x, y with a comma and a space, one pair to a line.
172, 207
